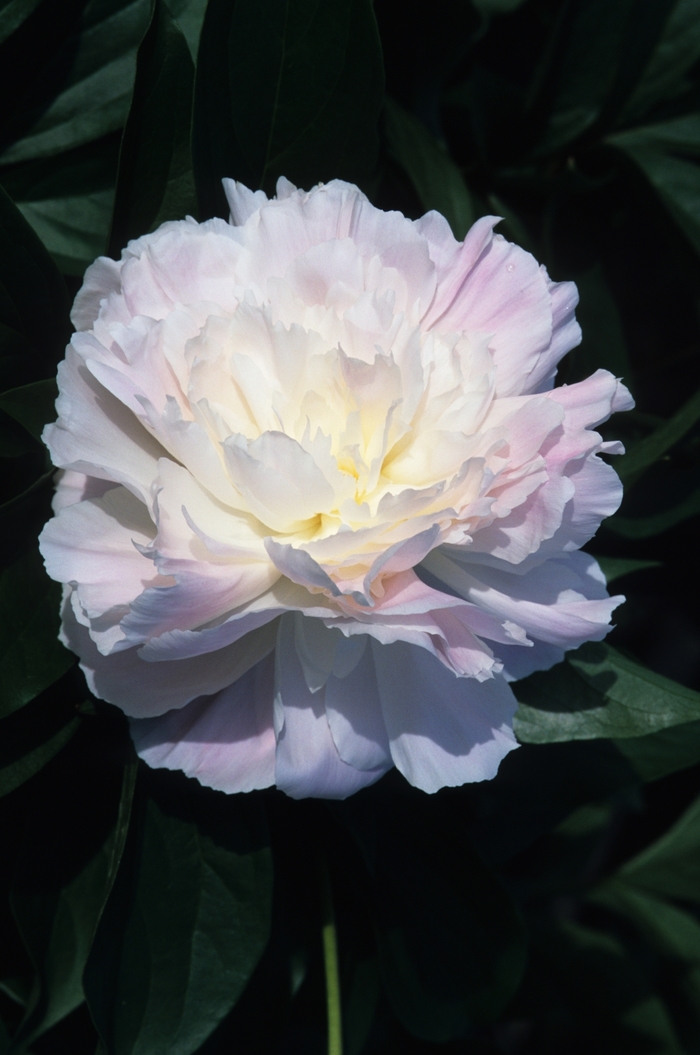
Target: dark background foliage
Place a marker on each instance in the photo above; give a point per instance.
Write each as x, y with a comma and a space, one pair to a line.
555, 908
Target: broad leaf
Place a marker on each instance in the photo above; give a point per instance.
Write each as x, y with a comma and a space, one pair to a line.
586, 69
62, 875
537, 787
597, 993
658, 754
185, 925
670, 867
603, 342
31, 405
669, 929
668, 72
189, 15
450, 942
33, 296
155, 181
73, 229
92, 66
655, 523
647, 451
617, 567
436, 178
22, 517
31, 656
597, 692
285, 88
661, 152
13, 14
17, 772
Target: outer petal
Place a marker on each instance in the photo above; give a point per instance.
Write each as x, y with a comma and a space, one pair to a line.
143, 689
93, 544
101, 279
563, 602
496, 288
95, 434
444, 730
226, 741
354, 713
308, 763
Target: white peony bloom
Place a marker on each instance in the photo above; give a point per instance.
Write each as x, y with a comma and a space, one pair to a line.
320, 501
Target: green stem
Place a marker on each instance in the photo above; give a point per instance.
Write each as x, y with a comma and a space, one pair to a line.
330, 960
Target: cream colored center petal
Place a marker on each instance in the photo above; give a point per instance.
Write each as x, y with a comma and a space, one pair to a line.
316, 440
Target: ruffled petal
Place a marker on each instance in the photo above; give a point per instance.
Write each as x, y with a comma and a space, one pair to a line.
144, 689
308, 764
444, 730
226, 741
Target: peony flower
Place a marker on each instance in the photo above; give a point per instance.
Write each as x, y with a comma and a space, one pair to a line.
320, 501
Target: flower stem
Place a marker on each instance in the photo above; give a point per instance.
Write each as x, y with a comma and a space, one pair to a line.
330, 960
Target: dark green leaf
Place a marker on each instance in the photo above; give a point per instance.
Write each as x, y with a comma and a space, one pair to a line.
82, 171
95, 90
603, 341
597, 990
61, 878
597, 692
587, 63
537, 787
435, 176
16, 773
31, 656
13, 14
33, 296
656, 523
647, 451
670, 930
155, 181
661, 152
22, 518
14, 440
31, 405
616, 567
73, 229
450, 941
185, 925
658, 754
670, 867
285, 88
496, 7
668, 72
189, 15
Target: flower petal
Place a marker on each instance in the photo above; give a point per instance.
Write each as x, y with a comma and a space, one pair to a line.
226, 741
308, 763
461, 739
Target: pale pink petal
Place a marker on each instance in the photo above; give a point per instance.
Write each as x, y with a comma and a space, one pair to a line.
95, 434
566, 334
93, 545
144, 689
72, 487
354, 713
284, 596
280, 483
562, 601
101, 279
463, 739
501, 292
519, 662
226, 741
243, 203
308, 763
182, 263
